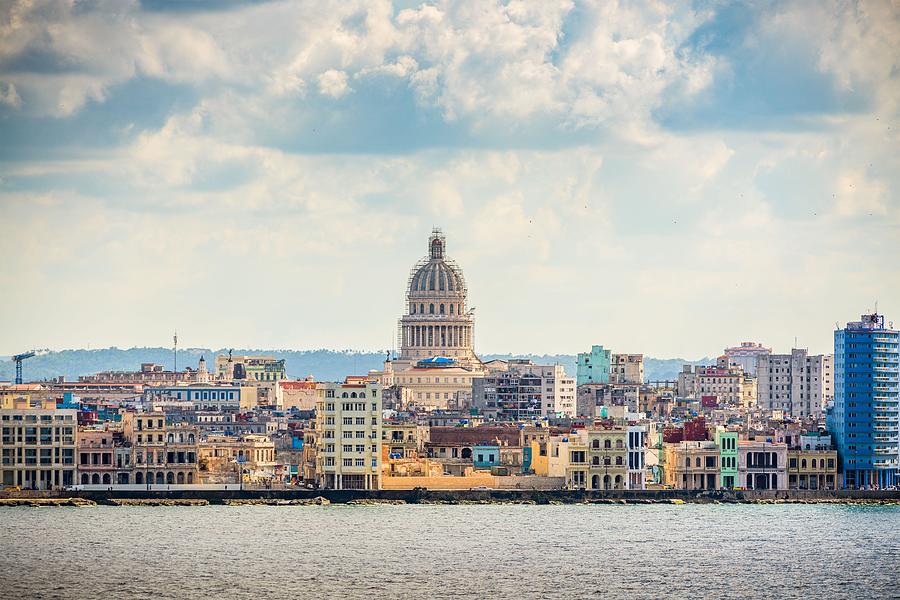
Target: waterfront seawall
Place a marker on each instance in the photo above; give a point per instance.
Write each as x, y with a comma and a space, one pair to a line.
421, 496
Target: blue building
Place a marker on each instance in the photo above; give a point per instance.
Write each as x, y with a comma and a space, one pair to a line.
593, 366
865, 421
485, 457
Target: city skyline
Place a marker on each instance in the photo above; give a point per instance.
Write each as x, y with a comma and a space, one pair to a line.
658, 179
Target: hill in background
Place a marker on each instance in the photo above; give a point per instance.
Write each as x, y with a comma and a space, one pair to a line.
324, 365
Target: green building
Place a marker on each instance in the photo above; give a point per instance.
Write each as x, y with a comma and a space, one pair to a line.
728, 457
593, 366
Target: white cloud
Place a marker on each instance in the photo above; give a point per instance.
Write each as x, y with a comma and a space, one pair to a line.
334, 83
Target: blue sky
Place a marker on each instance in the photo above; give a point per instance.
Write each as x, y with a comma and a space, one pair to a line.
666, 178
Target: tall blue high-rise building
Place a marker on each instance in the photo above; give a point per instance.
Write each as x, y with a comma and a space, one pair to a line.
865, 419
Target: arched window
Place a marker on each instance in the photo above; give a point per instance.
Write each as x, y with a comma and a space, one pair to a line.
95, 479
362, 394
139, 477
190, 478
607, 444
813, 463
619, 461
106, 480
431, 309
442, 309
353, 394
687, 462
345, 395
171, 438
595, 461
451, 309
84, 478
180, 478
181, 438
606, 461
595, 444
803, 463
190, 438
422, 308
412, 309
697, 462
619, 444
170, 477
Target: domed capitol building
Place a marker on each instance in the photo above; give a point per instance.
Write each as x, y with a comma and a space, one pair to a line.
437, 360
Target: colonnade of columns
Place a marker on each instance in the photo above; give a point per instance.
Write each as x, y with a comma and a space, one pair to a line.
448, 336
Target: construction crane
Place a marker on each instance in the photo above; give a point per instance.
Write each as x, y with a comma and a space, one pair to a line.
18, 358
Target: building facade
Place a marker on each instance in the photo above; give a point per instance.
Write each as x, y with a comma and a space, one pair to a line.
162, 454
799, 384
520, 390
250, 368
626, 368
692, 465
437, 324
747, 356
762, 465
728, 457
37, 447
865, 422
593, 366
348, 435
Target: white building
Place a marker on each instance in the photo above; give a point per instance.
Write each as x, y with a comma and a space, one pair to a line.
348, 435
747, 356
637, 469
799, 384
437, 359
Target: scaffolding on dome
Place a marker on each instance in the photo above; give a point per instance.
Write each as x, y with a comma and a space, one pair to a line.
436, 235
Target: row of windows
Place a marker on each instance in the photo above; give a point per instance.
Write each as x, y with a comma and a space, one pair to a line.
442, 309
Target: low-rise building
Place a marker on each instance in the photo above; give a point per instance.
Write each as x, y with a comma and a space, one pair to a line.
250, 368
97, 457
692, 465
812, 469
762, 465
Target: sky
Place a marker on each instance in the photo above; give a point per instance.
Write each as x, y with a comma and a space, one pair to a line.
665, 178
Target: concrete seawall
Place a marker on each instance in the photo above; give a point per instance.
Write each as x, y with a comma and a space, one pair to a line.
421, 496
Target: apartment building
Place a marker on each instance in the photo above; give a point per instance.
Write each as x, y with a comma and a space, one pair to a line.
162, 453
521, 390
348, 435
864, 421
799, 383
37, 446
626, 368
